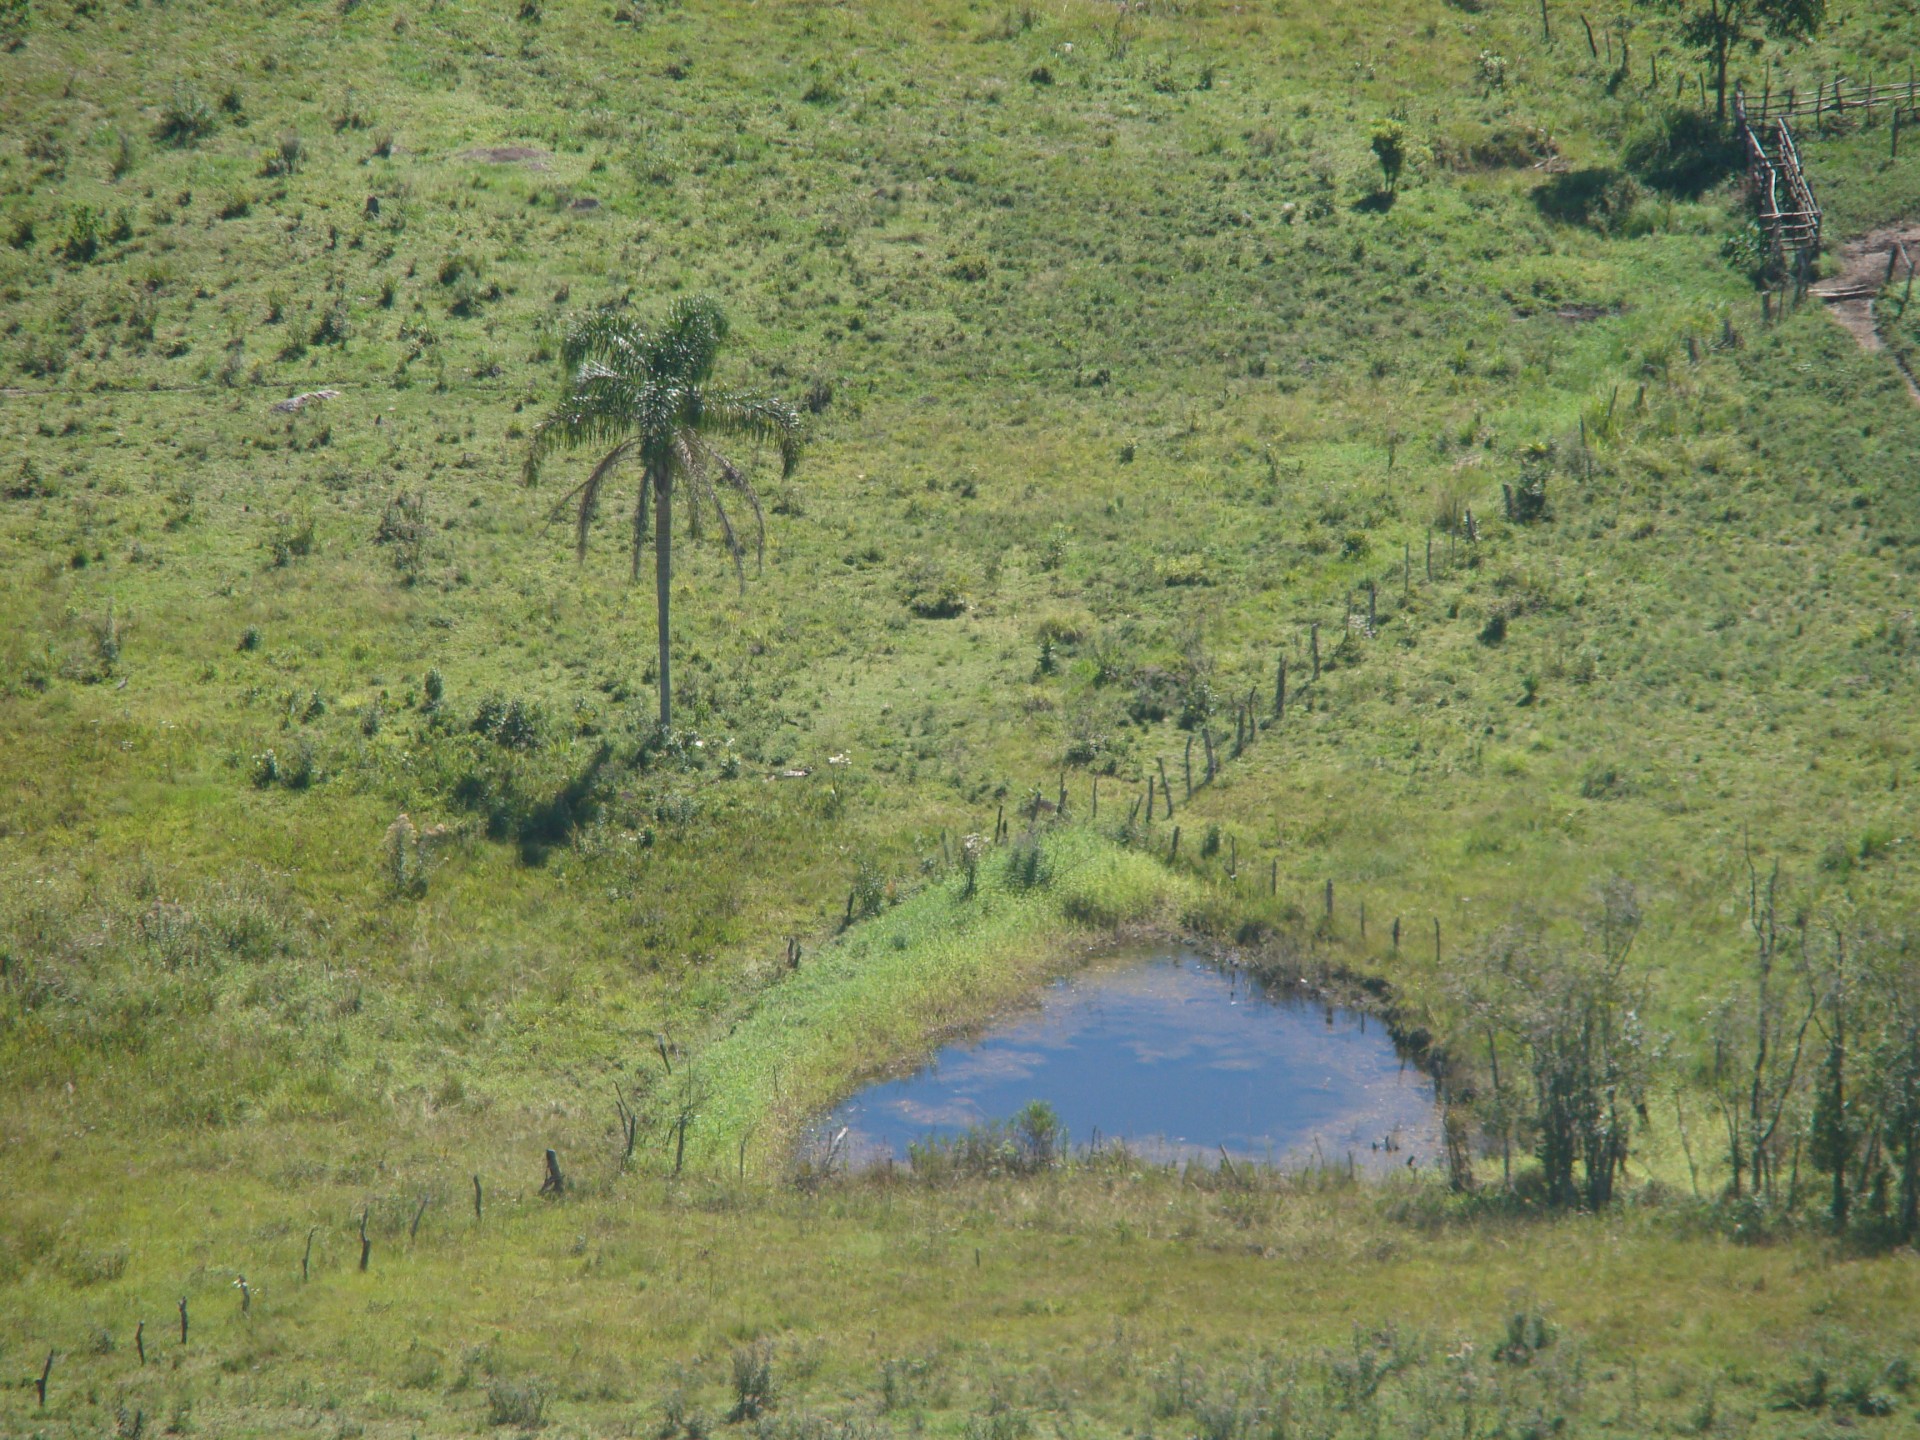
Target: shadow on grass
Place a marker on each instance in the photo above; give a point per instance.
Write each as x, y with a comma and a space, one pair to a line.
1684, 154
1378, 203
552, 821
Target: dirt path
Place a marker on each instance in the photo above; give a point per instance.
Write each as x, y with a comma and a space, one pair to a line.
1849, 295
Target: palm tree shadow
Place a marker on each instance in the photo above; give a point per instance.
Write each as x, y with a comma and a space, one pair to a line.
554, 820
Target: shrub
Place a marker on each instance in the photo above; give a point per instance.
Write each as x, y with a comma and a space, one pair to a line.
523, 1404
753, 1389
284, 159
186, 120
404, 526
1389, 143
82, 241
933, 592
288, 538
510, 724
869, 889
1027, 867
16, 18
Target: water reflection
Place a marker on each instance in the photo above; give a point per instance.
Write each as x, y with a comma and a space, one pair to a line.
1177, 1058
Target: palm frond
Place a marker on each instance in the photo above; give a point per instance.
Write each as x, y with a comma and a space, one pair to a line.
585, 497
608, 337
734, 478
686, 347
759, 417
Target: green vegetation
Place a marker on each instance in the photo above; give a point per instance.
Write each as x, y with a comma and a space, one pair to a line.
348, 868
649, 394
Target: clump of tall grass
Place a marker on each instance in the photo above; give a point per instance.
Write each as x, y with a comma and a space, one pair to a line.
1031, 1142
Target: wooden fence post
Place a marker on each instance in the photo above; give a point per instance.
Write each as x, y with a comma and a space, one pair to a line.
1329, 899
1313, 635
1166, 790
1280, 690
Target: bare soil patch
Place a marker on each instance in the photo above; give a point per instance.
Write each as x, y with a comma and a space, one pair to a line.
530, 156
1849, 295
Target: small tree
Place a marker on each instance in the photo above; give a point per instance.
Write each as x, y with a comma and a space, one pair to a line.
1717, 27
1390, 149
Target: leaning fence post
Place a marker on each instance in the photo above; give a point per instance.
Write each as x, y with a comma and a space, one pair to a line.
1166, 790
1313, 636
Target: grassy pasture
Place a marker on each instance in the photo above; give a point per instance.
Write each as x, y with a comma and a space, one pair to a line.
1113, 350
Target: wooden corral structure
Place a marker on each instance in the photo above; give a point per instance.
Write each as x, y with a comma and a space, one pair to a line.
1778, 182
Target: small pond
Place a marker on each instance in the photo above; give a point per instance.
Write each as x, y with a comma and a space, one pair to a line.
1175, 1056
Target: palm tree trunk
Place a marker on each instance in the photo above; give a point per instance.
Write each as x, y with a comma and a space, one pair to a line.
663, 581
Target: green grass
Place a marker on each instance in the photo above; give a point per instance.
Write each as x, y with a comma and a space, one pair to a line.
1129, 362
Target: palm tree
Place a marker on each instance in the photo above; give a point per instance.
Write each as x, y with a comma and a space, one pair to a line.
647, 395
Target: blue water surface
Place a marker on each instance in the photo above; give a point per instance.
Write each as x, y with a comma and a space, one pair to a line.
1175, 1056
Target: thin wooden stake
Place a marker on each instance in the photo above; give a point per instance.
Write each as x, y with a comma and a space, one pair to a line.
307, 1254
183, 1319
476, 1198
140, 1340
1329, 899
1592, 49
366, 1245
413, 1230
1313, 636
40, 1385
1174, 852
1273, 879
1166, 790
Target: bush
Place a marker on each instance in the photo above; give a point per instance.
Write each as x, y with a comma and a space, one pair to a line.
187, 119
284, 159
289, 538
16, 17
510, 724
523, 1404
933, 592
82, 242
1389, 143
753, 1390
1031, 1142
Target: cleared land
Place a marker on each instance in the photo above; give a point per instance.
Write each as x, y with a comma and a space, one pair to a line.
1122, 375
